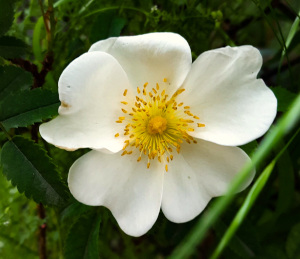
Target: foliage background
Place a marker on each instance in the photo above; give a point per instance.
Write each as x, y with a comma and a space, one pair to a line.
37, 41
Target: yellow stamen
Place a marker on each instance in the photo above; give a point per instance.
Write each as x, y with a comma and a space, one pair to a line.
156, 124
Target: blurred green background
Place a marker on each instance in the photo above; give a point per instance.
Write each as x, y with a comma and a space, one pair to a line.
47, 35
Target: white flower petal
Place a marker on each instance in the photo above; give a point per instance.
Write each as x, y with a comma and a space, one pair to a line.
223, 91
199, 172
150, 57
90, 89
130, 190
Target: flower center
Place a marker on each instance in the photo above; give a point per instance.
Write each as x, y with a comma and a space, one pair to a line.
155, 123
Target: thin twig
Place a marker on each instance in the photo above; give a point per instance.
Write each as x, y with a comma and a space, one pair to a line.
39, 77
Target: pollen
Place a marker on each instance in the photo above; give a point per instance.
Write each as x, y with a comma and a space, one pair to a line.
156, 125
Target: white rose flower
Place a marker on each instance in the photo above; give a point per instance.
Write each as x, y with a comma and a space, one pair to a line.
162, 129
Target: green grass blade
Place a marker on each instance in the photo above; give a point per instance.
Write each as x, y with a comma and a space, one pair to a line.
248, 203
292, 32
286, 123
290, 37
243, 211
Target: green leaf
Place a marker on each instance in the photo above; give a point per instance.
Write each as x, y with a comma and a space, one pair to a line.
293, 243
284, 98
82, 240
36, 39
27, 107
29, 168
6, 15
13, 79
11, 47
107, 25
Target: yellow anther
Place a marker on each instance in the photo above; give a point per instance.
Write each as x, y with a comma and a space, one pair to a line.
196, 117
125, 146
157, 124
200, 125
